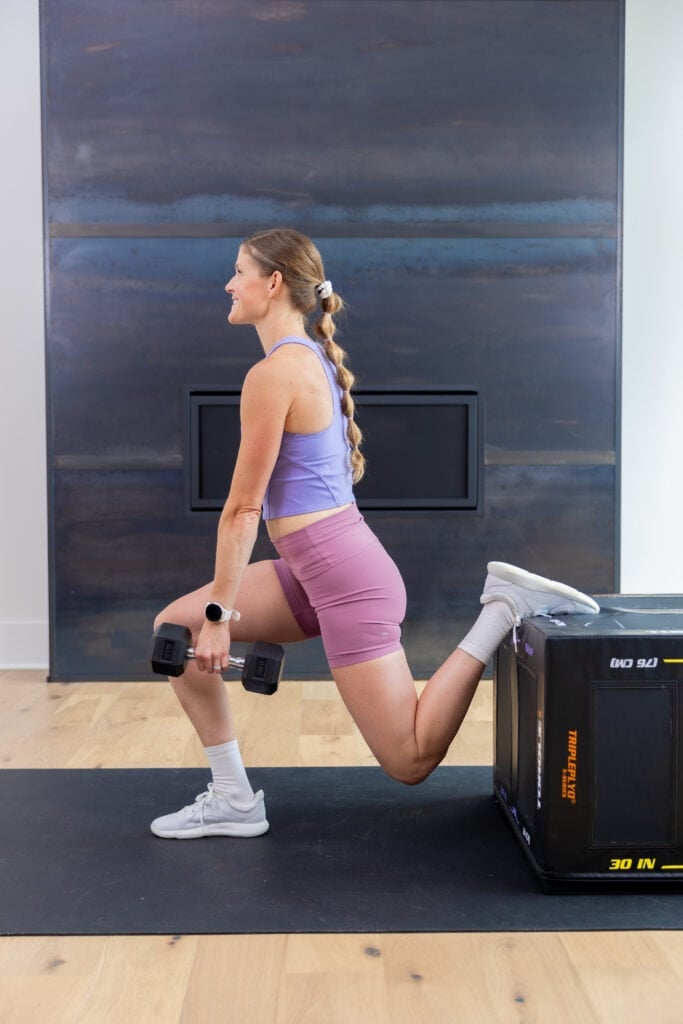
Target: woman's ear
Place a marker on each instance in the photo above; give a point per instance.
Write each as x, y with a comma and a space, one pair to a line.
275, 282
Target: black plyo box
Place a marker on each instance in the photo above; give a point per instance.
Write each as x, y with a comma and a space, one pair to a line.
588, 724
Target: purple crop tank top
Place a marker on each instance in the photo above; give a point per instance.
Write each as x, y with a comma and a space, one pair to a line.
313, 471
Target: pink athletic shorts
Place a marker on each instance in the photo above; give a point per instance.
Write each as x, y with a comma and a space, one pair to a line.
342, 585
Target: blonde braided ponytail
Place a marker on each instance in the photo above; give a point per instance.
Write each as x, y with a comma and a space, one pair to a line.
324, 329
301, 266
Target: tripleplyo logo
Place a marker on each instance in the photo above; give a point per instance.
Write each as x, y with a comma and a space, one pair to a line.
569, 773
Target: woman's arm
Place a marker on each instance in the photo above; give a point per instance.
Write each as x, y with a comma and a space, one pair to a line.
264, 405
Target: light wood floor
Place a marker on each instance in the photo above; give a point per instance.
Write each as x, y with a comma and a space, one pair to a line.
578, 978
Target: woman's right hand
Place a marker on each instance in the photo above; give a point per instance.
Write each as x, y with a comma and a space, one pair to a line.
212, 651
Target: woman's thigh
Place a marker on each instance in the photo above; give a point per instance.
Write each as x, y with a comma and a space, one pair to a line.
265, 613
381, 697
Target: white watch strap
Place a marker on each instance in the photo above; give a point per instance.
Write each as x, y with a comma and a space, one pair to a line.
226, 613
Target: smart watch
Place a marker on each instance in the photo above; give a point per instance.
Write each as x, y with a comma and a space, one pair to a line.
215, 612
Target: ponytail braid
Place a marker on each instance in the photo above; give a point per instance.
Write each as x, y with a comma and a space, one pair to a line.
324, 329
296, 257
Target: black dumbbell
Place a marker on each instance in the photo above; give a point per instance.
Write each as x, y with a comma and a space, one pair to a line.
261, 668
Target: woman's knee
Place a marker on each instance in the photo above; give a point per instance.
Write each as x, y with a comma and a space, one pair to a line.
162, 617
411, 771
187, 610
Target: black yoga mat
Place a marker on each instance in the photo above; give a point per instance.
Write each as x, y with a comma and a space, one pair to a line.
349, 850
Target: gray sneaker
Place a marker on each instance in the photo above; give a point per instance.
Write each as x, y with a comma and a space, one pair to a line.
212, 815
527, 594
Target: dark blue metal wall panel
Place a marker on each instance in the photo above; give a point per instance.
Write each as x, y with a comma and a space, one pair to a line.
531, 321
332, 109
458, 163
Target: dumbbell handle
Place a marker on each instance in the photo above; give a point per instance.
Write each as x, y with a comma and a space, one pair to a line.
234, 662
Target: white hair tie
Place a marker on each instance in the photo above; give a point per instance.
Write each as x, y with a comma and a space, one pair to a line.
324, 290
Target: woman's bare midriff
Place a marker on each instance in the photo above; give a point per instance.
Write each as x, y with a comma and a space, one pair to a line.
288, 524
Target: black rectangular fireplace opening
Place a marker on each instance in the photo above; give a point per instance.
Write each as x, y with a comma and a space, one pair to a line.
423, 449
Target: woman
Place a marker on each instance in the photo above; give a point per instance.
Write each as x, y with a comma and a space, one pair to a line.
298, 459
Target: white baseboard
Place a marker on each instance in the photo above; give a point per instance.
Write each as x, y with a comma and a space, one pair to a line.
24, 644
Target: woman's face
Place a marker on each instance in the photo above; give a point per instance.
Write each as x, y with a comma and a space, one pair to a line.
249, 289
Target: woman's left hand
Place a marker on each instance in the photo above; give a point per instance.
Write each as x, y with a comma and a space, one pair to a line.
212, 650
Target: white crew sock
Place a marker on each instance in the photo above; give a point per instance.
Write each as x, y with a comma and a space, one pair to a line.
229, 777
493, 625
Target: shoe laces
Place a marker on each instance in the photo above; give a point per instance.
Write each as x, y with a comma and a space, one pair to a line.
206, 795
203, 799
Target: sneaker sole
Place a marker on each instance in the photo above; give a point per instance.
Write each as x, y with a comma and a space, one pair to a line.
234, 830
513, 574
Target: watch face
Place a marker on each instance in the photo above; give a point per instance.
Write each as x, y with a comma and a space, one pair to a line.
213, 612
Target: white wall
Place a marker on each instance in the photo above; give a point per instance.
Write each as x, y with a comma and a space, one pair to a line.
652, 426
652, 531
23, 515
